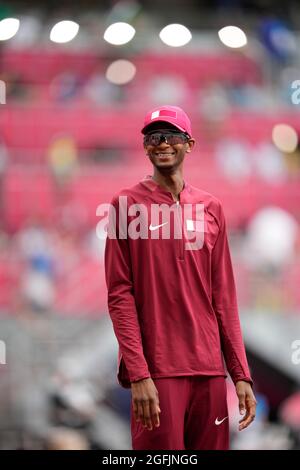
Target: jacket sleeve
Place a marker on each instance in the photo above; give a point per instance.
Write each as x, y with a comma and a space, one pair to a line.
121, 302
225, 306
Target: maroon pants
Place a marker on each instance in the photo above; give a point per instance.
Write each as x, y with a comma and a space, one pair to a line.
193, 416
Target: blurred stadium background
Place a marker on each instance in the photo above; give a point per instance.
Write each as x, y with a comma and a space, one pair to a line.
72, 106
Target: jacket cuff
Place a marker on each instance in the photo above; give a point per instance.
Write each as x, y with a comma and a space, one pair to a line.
139, 377
244, 379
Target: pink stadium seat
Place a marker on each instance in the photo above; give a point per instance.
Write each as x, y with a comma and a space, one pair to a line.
28, 195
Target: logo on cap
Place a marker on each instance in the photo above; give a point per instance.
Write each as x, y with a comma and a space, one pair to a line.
163, 113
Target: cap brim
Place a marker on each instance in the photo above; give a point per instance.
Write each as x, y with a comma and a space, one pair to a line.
170, 121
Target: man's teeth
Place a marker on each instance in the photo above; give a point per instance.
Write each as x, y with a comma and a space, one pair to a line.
164, 154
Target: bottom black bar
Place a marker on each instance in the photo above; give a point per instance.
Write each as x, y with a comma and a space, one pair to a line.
135, 459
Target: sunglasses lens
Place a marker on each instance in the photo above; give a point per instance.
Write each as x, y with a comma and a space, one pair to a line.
176, 139
153, 139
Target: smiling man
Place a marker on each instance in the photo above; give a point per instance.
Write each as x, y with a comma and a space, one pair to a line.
173, 307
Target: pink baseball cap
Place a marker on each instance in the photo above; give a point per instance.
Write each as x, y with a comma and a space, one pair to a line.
171, 114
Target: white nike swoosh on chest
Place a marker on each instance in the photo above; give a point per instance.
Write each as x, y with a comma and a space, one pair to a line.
154, 227
217, 422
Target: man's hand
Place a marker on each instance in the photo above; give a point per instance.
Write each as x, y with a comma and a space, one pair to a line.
145, 403
247, 402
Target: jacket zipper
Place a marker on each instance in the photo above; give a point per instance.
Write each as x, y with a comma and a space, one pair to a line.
180, 241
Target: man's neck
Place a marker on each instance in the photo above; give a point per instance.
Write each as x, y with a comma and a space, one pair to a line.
172, 182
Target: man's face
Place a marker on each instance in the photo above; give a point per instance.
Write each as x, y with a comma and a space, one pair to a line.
164, 154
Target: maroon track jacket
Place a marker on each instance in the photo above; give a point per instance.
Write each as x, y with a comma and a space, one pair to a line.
174, 310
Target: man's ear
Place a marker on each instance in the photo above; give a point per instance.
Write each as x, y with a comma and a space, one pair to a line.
190, 144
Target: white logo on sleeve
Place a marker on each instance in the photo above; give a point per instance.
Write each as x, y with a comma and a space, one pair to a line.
217, 422
155, 227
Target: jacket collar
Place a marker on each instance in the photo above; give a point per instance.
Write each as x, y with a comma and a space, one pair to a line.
185, 194
149, 182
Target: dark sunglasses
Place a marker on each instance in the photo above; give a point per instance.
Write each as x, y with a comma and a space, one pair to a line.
171, 138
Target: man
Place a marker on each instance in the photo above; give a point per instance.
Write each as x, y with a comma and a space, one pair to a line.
172, 300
